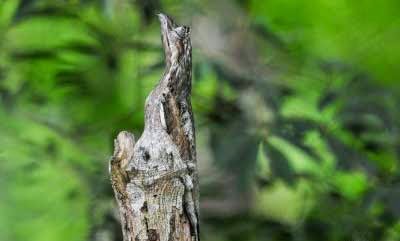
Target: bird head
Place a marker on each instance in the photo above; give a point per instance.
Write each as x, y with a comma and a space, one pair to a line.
176, 39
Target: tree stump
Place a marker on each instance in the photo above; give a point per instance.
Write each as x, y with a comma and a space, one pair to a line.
155, 179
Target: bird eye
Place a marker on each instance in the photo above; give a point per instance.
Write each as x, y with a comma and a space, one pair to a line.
180, 31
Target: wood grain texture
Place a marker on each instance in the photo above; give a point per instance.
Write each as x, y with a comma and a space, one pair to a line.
155, 179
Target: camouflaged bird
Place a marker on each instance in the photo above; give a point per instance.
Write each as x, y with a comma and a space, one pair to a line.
162, 168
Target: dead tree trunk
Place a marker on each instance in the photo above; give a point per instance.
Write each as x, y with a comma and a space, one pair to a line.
155, 179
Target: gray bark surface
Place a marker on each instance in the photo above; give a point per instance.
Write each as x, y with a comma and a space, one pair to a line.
155, 179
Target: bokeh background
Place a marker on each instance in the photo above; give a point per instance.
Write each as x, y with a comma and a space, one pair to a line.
296, 106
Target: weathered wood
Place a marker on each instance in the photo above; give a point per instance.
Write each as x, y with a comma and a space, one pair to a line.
155, 179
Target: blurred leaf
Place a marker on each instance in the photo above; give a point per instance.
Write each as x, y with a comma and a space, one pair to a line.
286, 204
298, 160
278, 163
351, 185
7, 11
46, 33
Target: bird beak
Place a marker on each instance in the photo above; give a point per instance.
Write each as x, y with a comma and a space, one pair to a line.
166, 22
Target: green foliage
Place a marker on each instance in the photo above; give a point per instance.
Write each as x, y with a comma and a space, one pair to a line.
360, 33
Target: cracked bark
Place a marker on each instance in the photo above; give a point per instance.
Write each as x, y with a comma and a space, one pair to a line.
155, 179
